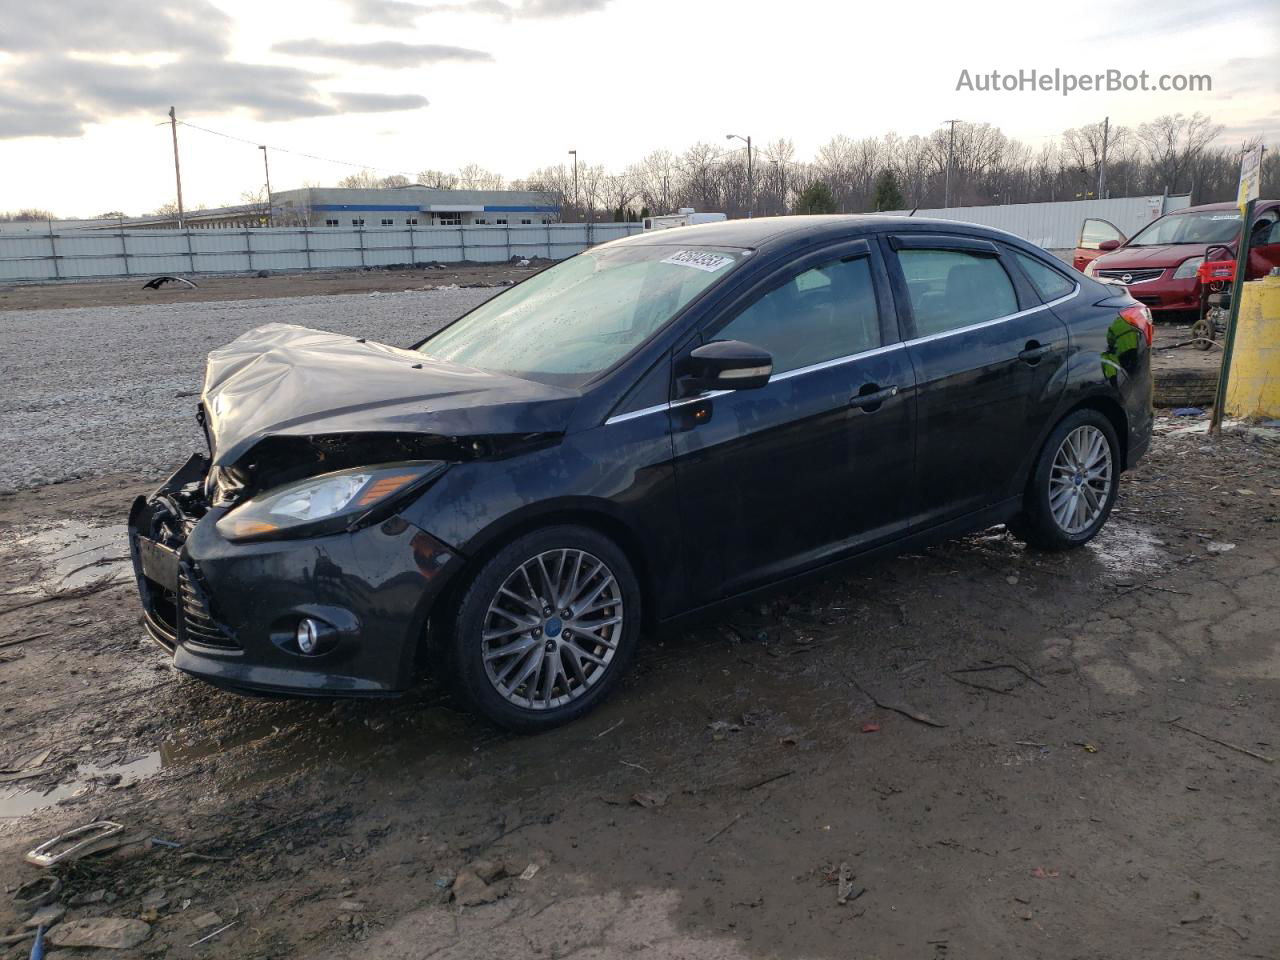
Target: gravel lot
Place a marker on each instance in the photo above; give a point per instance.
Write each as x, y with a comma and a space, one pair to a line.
100, 390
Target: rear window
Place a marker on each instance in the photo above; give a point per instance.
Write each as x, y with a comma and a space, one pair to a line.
1049, 283
951, 289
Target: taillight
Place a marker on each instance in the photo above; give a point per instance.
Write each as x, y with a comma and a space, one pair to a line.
1137, 315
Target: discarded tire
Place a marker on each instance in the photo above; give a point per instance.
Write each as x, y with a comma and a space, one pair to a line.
1185, 388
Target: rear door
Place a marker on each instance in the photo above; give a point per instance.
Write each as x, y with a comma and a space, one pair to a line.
817, 463
988, 357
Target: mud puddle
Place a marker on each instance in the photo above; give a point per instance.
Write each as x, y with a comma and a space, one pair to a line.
70, 554
17, 801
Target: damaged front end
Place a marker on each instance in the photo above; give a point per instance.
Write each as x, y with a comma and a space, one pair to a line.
312, 609
283, 561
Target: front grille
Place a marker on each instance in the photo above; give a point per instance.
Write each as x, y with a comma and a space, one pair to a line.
1131, 276
198, 625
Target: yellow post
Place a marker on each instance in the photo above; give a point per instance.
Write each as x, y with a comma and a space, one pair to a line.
1253, 388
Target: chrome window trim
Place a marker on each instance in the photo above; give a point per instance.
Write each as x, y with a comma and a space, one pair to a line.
990, 323
827, 364
712, 394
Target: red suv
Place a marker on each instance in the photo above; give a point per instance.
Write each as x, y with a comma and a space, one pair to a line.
1158, 264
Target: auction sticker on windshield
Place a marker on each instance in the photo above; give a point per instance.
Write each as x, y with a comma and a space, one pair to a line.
699, 260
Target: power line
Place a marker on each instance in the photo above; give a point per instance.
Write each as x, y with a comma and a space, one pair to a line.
312, 156
296, 153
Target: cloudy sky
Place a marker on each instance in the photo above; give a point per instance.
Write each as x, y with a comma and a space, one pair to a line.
514, 84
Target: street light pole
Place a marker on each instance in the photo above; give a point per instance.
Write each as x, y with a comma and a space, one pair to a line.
266, 167
574, 154
751, 193
951, 151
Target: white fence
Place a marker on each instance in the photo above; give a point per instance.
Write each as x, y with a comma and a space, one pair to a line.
85, 254
1056, 225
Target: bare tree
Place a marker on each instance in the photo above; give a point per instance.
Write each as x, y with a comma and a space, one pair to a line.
475, 177
701, 181
32, 214
657, 177
556, 184
590, 185
438, 179
617, 192
1174, 153
361, 180
1173, 144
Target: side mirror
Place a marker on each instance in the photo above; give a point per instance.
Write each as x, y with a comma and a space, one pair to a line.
726, 365
1106, 245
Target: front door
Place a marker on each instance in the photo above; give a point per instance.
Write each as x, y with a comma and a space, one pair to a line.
987, 355
817, 463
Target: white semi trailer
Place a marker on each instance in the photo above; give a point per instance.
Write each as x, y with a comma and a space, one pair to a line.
684, 217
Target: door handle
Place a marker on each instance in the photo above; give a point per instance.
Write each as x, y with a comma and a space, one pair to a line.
1034, 352
871, 396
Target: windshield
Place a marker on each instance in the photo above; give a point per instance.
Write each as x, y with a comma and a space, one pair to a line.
577, 318
1215, 226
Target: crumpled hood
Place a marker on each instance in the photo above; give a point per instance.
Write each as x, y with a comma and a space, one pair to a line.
285, 380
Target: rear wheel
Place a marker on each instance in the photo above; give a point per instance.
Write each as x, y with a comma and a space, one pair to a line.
546, 628
1073, 485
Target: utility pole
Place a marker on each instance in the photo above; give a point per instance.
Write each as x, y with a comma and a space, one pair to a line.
574, 154
1102, 166
951, 151
751, 193
177, 169
266, 167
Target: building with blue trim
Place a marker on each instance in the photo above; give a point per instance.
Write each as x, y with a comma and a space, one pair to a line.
417, 206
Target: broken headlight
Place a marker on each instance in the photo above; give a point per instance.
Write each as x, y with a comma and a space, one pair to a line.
327, 503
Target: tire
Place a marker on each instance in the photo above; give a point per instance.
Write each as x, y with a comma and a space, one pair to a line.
575, 660
1071, 443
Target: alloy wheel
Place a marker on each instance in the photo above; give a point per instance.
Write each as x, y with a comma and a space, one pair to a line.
1080, 479
552, 629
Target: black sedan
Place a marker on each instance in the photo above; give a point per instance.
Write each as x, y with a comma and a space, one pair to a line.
657, 426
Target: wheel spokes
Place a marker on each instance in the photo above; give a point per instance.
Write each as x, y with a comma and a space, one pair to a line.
1080, 479
533, 656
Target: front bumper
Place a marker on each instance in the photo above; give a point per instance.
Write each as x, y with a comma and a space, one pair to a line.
1166, 295
229, 612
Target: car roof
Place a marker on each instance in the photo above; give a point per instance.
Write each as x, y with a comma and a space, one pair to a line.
760, 233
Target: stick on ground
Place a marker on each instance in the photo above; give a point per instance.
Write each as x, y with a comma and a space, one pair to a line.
1176, 722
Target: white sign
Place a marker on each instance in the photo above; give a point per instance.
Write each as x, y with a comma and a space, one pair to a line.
699, 260
1250, 174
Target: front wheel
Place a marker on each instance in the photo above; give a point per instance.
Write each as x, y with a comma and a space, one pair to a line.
1073, 485
546, 628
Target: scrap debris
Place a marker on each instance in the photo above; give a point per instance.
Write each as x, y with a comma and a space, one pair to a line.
91, 838
157, 282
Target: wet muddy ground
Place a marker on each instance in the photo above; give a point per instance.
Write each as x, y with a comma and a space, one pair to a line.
972, 751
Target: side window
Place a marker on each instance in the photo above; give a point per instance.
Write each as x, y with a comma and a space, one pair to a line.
1049, 283
822, 314
950, 289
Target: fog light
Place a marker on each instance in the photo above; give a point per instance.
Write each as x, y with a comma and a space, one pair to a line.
308, 635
